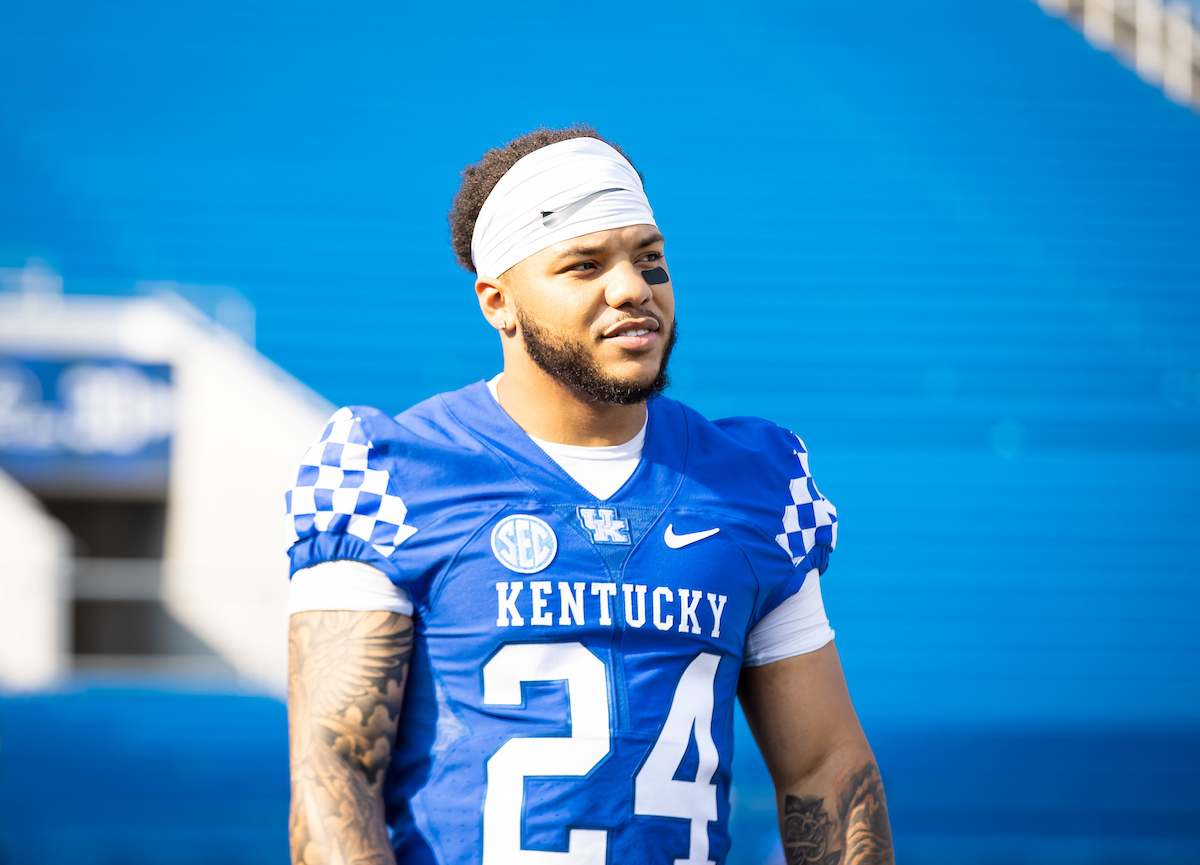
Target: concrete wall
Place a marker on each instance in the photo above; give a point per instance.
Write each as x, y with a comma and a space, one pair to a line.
34, 575
240, 427
1157, 39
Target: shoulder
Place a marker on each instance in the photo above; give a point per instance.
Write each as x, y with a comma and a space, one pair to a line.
370, 482
754, 441
362, 438
433, 435
742, 458
761, 470
443, 420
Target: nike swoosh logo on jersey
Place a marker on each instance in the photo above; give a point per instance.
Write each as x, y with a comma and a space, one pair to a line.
555, 218
675, 541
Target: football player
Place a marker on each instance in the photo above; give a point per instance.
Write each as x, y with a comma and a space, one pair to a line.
521, 612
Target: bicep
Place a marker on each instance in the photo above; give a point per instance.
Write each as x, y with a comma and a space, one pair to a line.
800, 712
347, 672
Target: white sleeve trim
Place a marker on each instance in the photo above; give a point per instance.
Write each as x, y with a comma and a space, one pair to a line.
346, 585
795, 627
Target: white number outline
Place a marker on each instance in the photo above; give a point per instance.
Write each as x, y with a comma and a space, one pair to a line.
656, 792
521, 757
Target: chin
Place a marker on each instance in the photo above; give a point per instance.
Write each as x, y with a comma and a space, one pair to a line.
643, 376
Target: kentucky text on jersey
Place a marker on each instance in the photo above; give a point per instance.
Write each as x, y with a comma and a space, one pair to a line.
573, 605
575, 666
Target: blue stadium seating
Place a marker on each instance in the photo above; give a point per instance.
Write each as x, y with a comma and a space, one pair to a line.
950, 244
137, 776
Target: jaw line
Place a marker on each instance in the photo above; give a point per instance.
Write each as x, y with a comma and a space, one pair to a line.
581, 369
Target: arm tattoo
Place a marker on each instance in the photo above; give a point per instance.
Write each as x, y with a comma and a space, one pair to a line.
806, 829
861, 829
863, 812
345, 686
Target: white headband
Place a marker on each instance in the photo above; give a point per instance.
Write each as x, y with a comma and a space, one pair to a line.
561, 191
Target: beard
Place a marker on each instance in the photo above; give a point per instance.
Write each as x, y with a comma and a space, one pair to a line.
571, 363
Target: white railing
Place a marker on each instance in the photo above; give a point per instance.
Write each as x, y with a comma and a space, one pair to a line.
1157, 39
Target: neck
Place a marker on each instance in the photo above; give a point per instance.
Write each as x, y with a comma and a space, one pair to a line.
547, 409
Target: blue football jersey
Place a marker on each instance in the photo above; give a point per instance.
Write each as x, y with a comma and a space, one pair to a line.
571, 695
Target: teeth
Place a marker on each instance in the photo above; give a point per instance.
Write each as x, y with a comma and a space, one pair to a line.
635, 332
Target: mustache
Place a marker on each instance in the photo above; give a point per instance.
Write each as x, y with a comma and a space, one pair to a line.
631, 315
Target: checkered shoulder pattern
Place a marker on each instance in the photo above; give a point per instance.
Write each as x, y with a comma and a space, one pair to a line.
810, 519
338, 491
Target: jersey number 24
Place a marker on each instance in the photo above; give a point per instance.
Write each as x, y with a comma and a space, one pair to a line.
656, 792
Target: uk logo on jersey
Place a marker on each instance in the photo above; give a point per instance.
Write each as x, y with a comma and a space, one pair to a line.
605, 525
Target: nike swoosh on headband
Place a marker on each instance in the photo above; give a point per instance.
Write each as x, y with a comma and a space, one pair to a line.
555, 218
675, 541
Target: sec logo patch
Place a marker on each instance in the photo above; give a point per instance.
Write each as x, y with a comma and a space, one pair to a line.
524, 543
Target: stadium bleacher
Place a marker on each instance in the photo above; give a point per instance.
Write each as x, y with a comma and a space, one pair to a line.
953, 246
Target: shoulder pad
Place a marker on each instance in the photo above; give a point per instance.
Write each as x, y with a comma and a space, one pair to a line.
810, 519
342, 488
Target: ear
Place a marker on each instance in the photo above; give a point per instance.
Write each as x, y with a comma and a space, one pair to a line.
495, 302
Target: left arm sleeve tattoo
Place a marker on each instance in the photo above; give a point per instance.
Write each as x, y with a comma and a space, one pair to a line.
858, 832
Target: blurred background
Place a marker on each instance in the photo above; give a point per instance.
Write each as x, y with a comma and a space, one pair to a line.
966, 239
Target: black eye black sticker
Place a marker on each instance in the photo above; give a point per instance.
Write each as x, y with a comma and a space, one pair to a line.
657, 276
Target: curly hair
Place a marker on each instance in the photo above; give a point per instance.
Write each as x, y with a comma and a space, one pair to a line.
480, 178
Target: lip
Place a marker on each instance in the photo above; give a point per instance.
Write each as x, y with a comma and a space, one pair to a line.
622, 328
633, 334
634, 343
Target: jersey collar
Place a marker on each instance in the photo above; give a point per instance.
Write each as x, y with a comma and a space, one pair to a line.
652, 484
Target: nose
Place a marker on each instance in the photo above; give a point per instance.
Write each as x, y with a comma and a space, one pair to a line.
626, 286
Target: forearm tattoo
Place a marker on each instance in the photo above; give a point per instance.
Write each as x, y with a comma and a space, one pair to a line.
346, 681
860, 834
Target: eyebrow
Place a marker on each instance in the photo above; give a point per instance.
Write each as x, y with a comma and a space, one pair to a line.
579, 252
588, 251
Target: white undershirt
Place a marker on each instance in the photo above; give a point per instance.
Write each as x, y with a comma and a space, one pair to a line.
599, 470
795, 627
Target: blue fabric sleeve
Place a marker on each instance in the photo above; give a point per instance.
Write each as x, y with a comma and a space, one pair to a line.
809, 519
344, 503
808, 529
